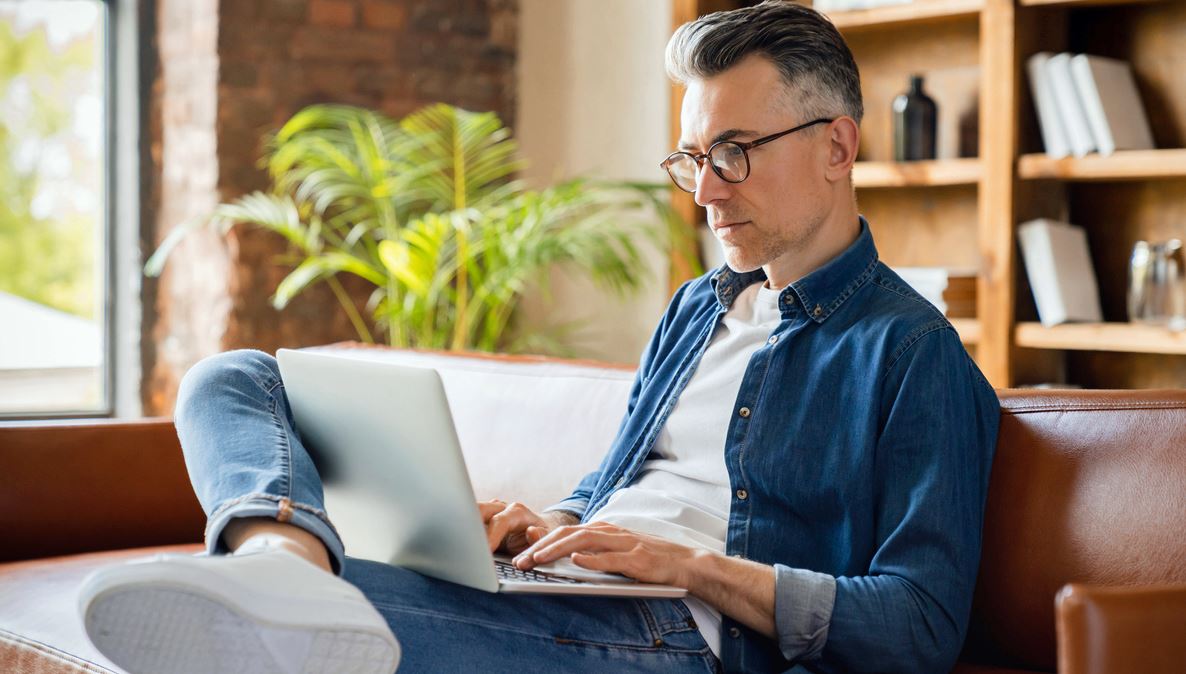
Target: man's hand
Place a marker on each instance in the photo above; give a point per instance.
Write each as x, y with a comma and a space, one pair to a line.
600, 546
739, 588
511, 527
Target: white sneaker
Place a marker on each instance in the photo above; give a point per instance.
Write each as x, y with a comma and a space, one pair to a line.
265, 612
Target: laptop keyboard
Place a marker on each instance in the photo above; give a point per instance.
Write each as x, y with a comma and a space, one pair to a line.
507, 571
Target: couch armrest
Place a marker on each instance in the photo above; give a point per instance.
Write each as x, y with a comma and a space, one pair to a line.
77, 487
1121, 629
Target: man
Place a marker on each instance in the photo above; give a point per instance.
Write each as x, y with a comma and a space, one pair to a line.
806, 448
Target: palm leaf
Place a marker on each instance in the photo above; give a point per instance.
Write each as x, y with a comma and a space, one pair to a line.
276, 213
473, 151
314, 269
339, 157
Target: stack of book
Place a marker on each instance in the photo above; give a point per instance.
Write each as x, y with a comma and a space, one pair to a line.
952, 291
1087, 104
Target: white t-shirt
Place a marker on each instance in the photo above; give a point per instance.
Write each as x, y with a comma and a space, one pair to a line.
682, 491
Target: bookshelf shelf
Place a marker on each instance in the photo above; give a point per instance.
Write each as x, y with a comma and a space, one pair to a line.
879, 174
1119, 337
1122, 165
919, 11
968, 329
1080, 3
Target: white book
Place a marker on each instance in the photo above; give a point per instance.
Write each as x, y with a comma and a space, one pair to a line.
846, 5
850, 5
930, 282
1054, 139
1111, 103
1070, 108
1058, 265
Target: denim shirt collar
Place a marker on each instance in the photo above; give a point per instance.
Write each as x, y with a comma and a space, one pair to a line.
822, 291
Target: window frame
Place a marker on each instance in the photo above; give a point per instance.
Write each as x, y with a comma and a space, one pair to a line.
120, 250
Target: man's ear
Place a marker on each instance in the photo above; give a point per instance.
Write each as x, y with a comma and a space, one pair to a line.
844, 138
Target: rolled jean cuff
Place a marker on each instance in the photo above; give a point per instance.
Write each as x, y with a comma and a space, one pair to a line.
312, 520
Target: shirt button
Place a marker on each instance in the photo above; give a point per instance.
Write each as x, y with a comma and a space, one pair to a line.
773, 339
621, 481
742, 494
817, 310
734, 632
744, 412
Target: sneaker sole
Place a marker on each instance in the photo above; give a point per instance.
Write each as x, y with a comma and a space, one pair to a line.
157, 628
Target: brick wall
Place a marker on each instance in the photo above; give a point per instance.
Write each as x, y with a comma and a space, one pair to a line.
228, 71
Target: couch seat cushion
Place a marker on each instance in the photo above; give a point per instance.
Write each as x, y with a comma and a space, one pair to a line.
40, 628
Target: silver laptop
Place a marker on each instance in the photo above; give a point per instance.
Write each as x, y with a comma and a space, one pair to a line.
396, 486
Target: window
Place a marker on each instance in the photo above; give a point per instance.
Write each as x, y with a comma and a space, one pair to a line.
55, 238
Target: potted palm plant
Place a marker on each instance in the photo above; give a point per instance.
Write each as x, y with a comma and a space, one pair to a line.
428, 210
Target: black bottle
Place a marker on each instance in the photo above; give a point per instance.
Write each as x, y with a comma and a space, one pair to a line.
914, 124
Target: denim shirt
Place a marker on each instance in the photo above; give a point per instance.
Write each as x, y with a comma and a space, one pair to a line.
858, 454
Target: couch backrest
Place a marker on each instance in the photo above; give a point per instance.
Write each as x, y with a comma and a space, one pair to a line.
79, 486
1087, 486
530, 428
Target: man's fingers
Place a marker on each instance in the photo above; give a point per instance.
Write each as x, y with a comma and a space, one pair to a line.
495, 531
567, 530
534, 534
588, 540
581, 540
489, 509
511, 520
547, 539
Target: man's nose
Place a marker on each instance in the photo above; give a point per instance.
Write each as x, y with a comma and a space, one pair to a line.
710, 187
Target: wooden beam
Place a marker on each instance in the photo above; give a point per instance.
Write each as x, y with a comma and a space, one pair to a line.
1000, 60
1121, 165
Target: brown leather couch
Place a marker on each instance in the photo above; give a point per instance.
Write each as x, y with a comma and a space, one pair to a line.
1083, 569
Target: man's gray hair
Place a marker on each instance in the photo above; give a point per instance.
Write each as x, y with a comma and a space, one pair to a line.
815, 63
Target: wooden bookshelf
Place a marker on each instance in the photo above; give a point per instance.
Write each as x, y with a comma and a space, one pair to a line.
1118, 199
1117, 337
1080, 3
881, 174
920, 11
1121, 165
961, 211
968, 329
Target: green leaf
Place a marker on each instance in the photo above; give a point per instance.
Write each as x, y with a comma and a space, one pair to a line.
397, 259
306, 273
314, 269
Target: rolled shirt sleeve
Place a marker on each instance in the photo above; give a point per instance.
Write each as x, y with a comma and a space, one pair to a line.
803, 603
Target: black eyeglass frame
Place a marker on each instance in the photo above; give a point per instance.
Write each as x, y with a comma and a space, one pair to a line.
745, 148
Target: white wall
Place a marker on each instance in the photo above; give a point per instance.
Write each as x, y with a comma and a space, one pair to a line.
594, 100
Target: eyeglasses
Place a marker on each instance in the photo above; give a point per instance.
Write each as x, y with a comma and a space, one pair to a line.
729, 159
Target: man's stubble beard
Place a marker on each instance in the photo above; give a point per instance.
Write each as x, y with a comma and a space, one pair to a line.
771, 247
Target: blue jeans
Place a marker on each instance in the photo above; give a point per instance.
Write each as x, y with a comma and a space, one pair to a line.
245, 459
